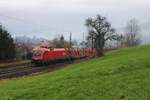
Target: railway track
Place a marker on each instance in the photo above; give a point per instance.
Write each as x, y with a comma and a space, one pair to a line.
29, 69
18, 71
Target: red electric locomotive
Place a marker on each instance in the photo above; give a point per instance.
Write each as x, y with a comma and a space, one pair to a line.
49, 55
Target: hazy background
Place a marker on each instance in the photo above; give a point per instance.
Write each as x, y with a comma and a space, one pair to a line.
46, 18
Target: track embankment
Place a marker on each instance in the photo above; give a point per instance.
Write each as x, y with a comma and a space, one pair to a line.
30, 69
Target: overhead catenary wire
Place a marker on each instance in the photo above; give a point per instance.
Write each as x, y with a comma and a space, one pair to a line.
37, 27
33, 23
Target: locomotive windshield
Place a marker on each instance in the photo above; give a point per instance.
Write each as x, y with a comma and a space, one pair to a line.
37, 53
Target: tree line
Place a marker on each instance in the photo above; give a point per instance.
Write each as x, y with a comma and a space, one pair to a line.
99, 33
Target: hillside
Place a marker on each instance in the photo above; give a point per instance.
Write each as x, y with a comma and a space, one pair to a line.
122, 74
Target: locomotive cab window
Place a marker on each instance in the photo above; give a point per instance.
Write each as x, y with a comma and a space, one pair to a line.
38, 53
46, 53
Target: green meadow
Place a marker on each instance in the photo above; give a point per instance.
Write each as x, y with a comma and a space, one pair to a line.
122, 74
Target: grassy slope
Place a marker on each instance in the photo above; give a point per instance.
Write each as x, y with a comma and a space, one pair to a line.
120, 75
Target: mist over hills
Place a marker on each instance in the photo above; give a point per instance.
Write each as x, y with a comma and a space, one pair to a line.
31, 40
145, 32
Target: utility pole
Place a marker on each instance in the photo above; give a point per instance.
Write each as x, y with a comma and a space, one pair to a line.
83, 36
92, 43
83, 45
70, 46
70, 39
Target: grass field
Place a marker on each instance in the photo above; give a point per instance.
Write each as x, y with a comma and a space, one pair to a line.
122, 74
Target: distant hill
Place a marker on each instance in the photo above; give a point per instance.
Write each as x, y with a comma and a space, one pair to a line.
33, 40
145, 28
145, 32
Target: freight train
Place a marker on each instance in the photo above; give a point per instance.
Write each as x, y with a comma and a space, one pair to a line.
50, 55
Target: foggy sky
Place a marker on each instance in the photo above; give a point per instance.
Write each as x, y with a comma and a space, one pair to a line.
46, 18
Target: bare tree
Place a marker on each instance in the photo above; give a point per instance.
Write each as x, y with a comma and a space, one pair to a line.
60, 42
23, 46
121, 41
99, 31
132, 35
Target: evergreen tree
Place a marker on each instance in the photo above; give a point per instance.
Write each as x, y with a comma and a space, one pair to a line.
7, 46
